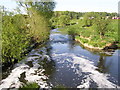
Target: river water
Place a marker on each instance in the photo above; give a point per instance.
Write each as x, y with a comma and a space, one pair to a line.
76, 66
64, 62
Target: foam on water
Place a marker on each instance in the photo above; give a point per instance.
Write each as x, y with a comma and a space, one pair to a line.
12, 81
33, 74
85, 66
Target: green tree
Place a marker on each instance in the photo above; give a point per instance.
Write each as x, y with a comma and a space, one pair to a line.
88, 18
63, 20
39, 14
101, 26
38, 26
44, 8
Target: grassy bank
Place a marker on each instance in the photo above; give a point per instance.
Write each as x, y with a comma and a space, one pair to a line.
90, 37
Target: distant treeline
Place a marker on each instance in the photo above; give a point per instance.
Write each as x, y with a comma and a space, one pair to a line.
77, 15
63, 18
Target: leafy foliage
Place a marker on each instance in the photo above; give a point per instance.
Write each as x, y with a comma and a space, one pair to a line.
30, 86
101, 26
63, 20
38, 26
14, 38
88, 19
21, 31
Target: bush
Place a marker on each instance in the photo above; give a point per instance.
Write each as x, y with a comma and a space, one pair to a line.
113, 30
14, 38
30, 86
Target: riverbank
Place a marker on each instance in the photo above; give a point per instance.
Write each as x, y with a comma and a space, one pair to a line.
107, 47
88, 46
20, 36
90, 38
22, 32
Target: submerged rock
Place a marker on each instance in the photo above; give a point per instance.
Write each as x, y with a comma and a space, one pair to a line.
29, 63
22, 77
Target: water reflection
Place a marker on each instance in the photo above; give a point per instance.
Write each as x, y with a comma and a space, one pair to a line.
71, 45
48, 65
101, 64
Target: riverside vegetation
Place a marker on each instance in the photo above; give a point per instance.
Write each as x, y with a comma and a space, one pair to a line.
22, 32
34, 27
96, 30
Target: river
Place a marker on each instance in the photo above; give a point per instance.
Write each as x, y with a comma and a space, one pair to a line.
69, 65
78, 67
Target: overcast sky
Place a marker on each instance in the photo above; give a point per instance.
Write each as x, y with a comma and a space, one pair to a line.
76, 5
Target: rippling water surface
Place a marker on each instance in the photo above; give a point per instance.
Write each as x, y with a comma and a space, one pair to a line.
76, 66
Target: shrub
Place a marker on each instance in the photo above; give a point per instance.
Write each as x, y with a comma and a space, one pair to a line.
14, 38
30, 86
